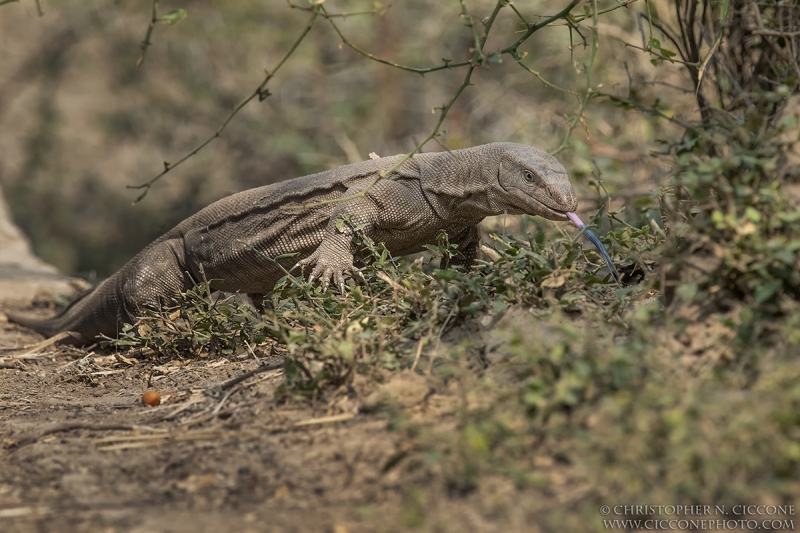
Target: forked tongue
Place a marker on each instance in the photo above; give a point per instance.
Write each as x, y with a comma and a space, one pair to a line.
599, 245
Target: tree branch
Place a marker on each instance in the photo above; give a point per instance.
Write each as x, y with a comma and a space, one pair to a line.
261, 92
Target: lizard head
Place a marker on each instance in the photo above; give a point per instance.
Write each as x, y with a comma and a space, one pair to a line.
535, 183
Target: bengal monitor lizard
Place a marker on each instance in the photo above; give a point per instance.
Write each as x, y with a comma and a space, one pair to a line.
428, 193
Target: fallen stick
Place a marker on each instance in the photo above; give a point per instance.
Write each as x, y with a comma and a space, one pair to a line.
225, 385
28, 354
31, 437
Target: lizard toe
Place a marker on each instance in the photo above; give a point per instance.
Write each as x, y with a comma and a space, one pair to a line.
311, 259
331, 264
360, 275
317, 273
338, 278
327, 275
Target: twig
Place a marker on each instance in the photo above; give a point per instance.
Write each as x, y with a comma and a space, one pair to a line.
374, 11
259, 92
238, 379
533, 28
382, 174
418, 353
726, 5
473, 63
28, 438
589, 87
319, 10
771, 33
655, 112
471, 23
325, 420
193, 400
147, 42
347, 42
221, 403
30, 352
546, 82
146, 441
626, 3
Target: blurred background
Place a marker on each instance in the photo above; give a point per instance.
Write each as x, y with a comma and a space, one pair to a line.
79, 121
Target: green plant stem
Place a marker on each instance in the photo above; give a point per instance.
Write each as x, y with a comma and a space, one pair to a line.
147, 42
319, 10
258, 92
589, 85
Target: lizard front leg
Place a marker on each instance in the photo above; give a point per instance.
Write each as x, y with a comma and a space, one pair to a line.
333, 258
390, 208
468, 241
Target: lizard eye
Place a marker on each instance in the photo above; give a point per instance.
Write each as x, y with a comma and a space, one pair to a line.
528, 176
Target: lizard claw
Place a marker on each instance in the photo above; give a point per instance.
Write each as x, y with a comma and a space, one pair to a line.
330, 265
357, 272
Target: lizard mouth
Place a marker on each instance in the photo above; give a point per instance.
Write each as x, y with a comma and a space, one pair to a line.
545, 210
558, 213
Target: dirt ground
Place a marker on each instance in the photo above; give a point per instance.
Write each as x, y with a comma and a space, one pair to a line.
207, 459
80, 452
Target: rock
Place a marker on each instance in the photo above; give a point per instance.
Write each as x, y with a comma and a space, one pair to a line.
406, 389
23, 276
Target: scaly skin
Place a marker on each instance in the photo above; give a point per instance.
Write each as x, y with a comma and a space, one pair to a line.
450, 191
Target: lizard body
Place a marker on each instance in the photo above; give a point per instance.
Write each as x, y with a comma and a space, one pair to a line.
427, 194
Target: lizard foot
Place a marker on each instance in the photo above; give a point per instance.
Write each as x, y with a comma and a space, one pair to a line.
330, 265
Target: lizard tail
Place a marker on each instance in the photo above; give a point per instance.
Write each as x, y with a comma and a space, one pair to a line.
47, 327
61, 322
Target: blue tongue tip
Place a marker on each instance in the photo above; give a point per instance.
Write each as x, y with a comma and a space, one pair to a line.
599, 245
602, 249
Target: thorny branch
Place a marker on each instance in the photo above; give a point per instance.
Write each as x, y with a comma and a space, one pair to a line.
147, 42
261, 92
479, 58
589, 88
39, 9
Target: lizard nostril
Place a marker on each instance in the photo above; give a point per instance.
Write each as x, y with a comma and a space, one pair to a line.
564, 197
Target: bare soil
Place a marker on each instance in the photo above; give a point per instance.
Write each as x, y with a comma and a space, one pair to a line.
80, 452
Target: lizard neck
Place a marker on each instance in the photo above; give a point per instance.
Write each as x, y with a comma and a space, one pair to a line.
461, 184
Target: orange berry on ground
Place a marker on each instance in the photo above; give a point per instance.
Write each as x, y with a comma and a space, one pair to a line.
151, 398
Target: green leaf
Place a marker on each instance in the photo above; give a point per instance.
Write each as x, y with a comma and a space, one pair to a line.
668, 54
687, 292
445, 275
500, 305
753, 214
790, 122
173, 17
767, 290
